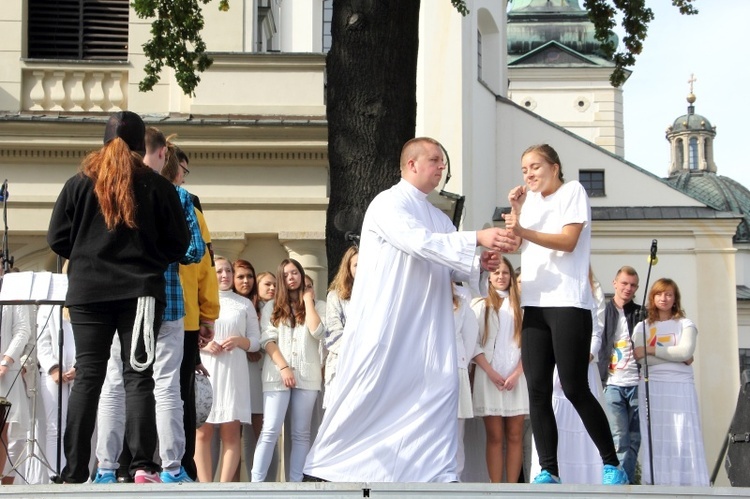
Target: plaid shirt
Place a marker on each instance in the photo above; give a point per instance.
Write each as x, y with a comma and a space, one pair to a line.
175, 306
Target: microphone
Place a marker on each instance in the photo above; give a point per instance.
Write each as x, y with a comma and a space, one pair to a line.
652, 259
4, 191
351, 236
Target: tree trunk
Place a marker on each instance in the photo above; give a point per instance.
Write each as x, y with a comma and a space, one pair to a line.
371, 107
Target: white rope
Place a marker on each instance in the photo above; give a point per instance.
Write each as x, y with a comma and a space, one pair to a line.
144, 323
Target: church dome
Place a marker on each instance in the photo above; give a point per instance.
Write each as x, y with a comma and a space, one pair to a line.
691, 121
533, 23
719, 192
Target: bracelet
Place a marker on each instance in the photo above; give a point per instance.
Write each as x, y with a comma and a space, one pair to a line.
285, 367
209, 325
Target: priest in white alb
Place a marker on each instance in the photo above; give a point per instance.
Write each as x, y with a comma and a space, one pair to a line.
393, 416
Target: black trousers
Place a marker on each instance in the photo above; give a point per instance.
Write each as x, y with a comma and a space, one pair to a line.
187, 392
94, 326
561, 336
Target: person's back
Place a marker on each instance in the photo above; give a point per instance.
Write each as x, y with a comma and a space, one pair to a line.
120, 225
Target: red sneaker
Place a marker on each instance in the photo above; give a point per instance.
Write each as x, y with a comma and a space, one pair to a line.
143, 476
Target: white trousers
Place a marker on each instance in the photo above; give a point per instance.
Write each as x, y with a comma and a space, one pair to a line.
275, 405
169, 411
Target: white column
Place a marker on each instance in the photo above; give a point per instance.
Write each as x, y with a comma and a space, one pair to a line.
301, 25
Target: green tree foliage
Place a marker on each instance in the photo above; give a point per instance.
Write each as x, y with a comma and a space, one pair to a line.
635, 19
176, 35
175, 41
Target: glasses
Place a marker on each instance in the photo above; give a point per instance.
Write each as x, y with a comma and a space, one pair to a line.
185, 170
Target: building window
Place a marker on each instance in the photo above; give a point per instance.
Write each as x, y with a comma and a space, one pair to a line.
479, 54
327, 18
693, 153
592, 181
744, 359
78, 29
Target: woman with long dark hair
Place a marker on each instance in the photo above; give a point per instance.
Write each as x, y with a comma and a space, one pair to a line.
292, 329
120, 224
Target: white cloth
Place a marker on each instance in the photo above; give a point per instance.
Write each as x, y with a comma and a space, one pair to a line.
228, 371
557, 278
503, 354
335, 321
679, 457
16, 332
623, 368
300, 348
467, 331
393, 416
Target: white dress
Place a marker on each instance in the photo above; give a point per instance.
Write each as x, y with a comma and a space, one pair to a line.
16, 320
503, 354
395, 394
228, 371
679, 458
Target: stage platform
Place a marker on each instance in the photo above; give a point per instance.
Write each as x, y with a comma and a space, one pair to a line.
358, 490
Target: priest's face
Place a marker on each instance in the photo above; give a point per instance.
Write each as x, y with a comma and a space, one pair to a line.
292, 277
427, 167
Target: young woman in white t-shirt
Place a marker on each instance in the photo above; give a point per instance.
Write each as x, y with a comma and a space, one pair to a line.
679, 457
553, 221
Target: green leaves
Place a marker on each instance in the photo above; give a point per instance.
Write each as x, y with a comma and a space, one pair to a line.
460, 6
635, 19
175, 41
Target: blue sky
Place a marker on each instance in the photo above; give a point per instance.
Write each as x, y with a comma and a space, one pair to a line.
711, 45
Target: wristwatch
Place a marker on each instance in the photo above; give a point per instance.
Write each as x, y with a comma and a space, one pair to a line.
4, 363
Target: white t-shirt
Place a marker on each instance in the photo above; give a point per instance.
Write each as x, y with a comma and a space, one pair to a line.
556, 278
623, 368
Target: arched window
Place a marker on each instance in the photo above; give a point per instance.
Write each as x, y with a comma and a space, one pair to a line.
488, 50
693, 153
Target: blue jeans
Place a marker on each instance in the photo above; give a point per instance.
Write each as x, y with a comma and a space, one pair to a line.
622, 411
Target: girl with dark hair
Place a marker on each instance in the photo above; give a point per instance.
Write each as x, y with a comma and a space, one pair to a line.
554, 231
246, 284
292, 329
120, 224
679, 458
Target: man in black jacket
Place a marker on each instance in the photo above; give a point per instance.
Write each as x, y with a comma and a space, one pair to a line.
619, 371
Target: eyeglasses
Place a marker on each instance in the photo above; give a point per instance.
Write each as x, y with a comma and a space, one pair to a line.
185, 170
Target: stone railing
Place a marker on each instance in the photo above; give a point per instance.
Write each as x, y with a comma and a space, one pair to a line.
74, 88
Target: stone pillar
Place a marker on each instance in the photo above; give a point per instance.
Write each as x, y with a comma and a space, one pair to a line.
309, 249
228, 244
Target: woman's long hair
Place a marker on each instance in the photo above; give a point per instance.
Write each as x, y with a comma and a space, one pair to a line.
344, 281
111, 169
171, 163
494, 301
253, 296
288, 306
660, 286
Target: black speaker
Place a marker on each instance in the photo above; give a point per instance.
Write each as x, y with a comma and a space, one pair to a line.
738, 454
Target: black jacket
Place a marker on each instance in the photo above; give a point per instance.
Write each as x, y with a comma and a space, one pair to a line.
123, 263
611, 318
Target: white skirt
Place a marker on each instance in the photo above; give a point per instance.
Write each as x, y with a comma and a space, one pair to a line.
465, 406
489, 401
578, 458
679, 458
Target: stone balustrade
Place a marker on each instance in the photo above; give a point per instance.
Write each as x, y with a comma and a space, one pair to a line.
74, 89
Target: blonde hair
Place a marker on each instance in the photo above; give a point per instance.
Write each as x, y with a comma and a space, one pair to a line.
344, 280
660, 286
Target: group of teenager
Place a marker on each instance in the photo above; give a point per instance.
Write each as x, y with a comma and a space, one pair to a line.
398, 358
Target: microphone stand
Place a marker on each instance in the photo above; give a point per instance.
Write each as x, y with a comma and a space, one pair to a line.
651, 263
